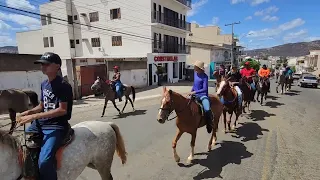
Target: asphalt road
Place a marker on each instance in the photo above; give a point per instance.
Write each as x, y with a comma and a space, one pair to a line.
279, 140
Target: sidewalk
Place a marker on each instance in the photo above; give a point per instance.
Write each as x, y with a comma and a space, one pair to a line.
146, 93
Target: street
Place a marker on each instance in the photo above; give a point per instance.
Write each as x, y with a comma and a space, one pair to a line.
276, 141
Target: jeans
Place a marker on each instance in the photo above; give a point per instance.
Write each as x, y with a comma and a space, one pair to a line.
253, 86
52, 141
118, 86
205, 103
239, 95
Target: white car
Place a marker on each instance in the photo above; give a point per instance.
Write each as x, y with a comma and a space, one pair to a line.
308, 80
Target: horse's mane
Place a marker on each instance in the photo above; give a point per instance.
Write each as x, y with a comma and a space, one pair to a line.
8, 139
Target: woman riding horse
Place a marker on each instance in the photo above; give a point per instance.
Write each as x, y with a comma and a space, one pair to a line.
234, 77
200, 91
116, 81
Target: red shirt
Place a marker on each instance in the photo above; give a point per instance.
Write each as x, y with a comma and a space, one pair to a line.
247, 72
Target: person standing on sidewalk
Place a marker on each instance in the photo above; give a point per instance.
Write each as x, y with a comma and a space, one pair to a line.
200, 91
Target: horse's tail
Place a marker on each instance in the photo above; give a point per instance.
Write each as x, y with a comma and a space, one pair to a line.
120, 147
133, 90
33, 96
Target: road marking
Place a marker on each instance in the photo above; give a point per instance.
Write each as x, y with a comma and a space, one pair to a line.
267, 157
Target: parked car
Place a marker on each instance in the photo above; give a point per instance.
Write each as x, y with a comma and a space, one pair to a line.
308, 80
296, 76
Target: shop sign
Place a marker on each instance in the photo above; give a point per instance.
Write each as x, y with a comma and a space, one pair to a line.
165, 58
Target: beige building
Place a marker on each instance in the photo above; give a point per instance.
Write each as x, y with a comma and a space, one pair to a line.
313, 61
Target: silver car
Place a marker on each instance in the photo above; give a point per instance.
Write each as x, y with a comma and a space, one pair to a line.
308, 80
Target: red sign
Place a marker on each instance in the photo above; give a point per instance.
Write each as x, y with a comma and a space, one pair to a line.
165, 58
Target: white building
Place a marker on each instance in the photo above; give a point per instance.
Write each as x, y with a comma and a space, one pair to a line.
141, 31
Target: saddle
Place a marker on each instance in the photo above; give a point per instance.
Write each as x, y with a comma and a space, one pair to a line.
199, 104
30, 154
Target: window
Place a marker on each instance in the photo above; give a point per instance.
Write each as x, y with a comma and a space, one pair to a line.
95, 42
43, 20
72, 45
45, 42
51, 42
154, 11
116, 40
160, 9
49, 18
75, 17
77, 41
160, 43
115, 13
70, 20
155, 40
184, 68
94, 17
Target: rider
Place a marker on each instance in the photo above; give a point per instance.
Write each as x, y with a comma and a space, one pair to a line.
288, 75
117, 82
277, 73
249, 72
264, 72
222, 71
234, 77
200, 90
50, 118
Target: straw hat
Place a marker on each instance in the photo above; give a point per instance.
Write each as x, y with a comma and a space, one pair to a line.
199, 64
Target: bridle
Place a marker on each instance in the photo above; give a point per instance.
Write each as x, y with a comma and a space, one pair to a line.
170, 108
223, 90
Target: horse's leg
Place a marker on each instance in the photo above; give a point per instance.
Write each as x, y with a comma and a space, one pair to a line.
258, 94
115, 106
105, 106
225, 120
237, 117
262, 94
105, 173
131, 103
125, 104
12, 115
229, 121
192, 144
174, 145
213, 138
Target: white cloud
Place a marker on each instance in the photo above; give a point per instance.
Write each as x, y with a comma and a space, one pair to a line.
4, 26
295, 36
21, 4
257, 2
27, 22
270, 18
237, 1
269, 10
248, 18
6, 41
196, 7
269, 32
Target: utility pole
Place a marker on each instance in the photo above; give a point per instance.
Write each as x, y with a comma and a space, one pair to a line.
232, 44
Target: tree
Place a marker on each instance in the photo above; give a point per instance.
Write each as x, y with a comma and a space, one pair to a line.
293, 68
253, 63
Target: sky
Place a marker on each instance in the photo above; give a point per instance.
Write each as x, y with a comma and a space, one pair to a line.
264, 23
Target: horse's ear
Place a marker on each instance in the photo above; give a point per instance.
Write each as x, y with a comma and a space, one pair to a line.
170, 91
164, 89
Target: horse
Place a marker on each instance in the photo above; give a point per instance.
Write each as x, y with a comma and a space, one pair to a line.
218, 79
15, 101
230, 102
247, 93
285, 84
110, 94
94, 144
190, 117
262, 89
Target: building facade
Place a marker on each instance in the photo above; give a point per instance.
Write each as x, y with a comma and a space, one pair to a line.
98, 33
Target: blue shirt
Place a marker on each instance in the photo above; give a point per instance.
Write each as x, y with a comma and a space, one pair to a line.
200, 84
52, 93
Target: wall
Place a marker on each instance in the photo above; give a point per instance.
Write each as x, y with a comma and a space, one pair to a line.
24, 45
208, 35
136, 77
26, 80
202, 54
18, 62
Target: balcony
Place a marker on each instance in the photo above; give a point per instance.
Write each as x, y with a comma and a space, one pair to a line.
158, 17
185, 2
163, 47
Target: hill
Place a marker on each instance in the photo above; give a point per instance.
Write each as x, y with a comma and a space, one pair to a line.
9, 49
291, 49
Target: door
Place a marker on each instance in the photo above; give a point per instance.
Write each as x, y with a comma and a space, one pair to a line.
180, 70
150, 74
212, 68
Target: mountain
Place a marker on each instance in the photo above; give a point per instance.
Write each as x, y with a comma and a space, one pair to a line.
291, 49
9, 49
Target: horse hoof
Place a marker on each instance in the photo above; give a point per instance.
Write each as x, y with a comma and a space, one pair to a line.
101, 116
189, 160
209, 148
133, 110
177, 159
233, 127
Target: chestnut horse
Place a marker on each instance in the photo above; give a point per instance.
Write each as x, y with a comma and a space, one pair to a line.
218, 79
189, 118
230, 102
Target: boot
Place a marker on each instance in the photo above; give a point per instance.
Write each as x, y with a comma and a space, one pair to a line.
120, 99
209, 122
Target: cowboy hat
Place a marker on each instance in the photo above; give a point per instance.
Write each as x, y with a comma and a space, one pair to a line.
199, 64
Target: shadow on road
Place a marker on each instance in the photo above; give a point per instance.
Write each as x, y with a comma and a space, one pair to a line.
295, 91
133, 113
259, 115
272, 97
249, 131
229, 152
273, 104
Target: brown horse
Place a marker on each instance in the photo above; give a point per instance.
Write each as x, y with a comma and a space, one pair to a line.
15, 101
230, 102
190, 117
247, 93
110, 94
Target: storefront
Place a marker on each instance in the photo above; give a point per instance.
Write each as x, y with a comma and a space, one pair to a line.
173, 68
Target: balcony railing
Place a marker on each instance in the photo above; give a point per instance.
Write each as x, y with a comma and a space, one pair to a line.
185, 2
163, 47
158, 17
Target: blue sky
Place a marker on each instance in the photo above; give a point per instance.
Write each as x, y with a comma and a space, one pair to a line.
264, 23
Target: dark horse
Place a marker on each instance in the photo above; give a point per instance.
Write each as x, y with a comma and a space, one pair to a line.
248, 93
109, 92
15, 101
285, 83
262, 89
230, 102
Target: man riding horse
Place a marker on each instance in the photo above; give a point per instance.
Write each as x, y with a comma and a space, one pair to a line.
248, 72
234, 77
264, 74
117, 83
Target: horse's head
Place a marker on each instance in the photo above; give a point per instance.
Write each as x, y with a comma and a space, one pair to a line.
97, 85
166, 107
224, 85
